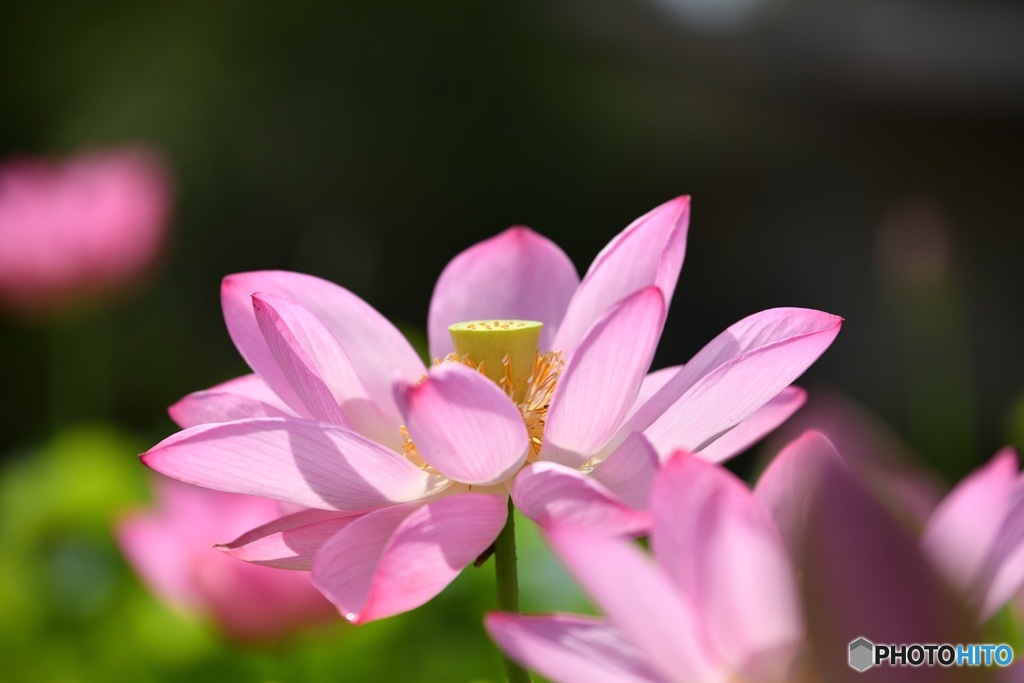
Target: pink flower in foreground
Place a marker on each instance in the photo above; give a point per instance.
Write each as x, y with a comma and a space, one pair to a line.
79, 228
405, 470
171, 547
866, 574
976, 535
719, 602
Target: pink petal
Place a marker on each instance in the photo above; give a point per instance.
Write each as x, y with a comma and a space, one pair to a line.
309, 463
303, 355
961, 532
516, 275
319, 370
601, 380
1003, 574
787, 485
648, 252
629, 471
237, 399
737, 373
640, 600
570, 649
289, 542
549, 493
723, 550
762, 421
377, 350
464, 425
394, 560
864, 575
653, 383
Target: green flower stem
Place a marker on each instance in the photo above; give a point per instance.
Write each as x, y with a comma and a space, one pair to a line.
507, 575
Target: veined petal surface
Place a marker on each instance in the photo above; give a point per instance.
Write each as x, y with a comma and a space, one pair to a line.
751, 430
464, 425
398, 558
648, 252
601, 379
734, 375
549, 493
240, 398
376, 349
515, 275
320, 371
309, 463
289, 542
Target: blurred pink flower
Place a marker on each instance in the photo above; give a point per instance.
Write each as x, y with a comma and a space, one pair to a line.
867, 574
976, 535
719, 603
343, 418
80, 228
171, 547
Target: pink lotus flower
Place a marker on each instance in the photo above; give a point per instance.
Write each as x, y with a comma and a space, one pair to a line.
405, 470
171, 547
80, 228
719, 603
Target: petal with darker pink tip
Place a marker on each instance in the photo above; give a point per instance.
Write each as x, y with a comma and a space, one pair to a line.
394, 560
289, 542
962, 531
570, 649
734, 375
309, 463
376, 349
464, 425
751, 430
647, 253
517, 275
237, 399
601, 379
320, 371
629, 471
640, 599
549, 493
725, 553
786, 486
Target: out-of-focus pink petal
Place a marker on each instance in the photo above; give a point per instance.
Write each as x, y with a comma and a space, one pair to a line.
962, 531
648, 252
240, 398
319, 370
377, 350
629, 471
1003, 575
734, 375
786, 486
549, 493
723, 549
602, 378
652, 614
570, 649
310, 463
754, 428
171, 547
394, 559
515, 275
864, 575
464, 425
289, 542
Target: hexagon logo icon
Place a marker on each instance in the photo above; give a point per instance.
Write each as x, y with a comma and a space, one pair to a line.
862, 654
